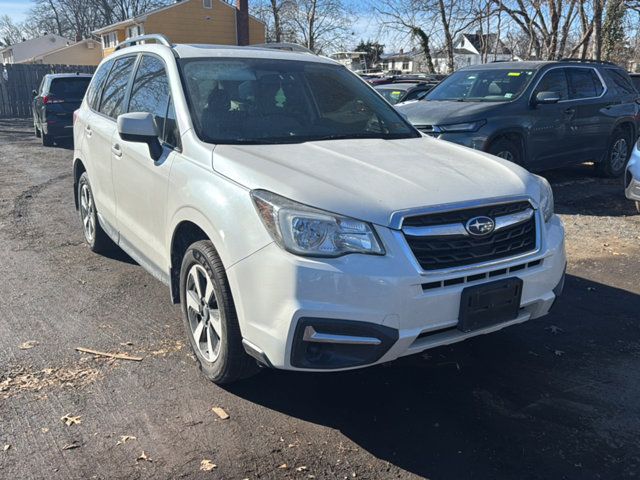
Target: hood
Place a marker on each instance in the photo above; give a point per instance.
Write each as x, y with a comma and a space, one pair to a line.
372, 178
436, 112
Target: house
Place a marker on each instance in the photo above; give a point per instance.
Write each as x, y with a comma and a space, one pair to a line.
399, 62
84, 52
473, 49
352, 60
30, 48
190, 21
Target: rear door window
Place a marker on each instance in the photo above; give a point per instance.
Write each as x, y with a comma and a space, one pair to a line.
69, 88
115, 89
95, 87
555, 81
150, 91
584, 83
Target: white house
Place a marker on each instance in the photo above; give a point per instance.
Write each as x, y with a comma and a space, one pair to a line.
351, 60
32, 48
473, 49
399, 62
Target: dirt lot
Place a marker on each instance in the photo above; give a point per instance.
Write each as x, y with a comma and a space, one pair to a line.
554, 398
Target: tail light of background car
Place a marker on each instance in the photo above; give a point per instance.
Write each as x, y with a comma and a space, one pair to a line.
49, 99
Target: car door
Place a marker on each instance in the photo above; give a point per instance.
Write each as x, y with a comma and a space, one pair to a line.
590, 125
100, 127
140, 182
549, 126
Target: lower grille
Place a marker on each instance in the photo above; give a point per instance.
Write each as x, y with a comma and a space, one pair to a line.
448, 251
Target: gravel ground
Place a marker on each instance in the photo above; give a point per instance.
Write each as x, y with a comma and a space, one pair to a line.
553, 398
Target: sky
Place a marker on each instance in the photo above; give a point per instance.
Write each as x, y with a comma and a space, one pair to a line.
16, 9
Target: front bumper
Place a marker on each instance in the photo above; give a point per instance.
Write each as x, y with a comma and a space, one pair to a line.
275, 292
632, 177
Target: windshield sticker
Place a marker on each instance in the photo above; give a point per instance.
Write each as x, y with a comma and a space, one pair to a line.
513, 74
508, 95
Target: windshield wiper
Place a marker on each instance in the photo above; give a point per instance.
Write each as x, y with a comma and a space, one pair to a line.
350, 136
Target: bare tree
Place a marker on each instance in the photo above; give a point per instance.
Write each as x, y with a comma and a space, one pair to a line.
10, 32
320, 24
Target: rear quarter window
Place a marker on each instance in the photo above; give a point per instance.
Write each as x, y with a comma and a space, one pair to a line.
621, 82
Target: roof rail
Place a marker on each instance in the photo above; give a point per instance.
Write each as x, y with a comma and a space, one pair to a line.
292, 47
587, 60
158, 37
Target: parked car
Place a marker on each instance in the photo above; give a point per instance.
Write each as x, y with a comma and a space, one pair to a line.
632, 178
540, 115
300, 221
403, 92
58, 96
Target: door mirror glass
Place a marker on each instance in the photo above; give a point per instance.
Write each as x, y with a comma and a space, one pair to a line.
140, 127
545, 98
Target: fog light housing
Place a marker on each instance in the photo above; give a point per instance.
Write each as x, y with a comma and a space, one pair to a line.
324, 344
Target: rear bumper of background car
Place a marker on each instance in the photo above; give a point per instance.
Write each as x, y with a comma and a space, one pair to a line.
311, 314
632, 177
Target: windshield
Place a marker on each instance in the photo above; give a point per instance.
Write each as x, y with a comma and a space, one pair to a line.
392, 95
279, 101
482, 85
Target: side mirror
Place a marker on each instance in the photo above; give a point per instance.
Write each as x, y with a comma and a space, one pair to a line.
140, 127
34, 93
546, 98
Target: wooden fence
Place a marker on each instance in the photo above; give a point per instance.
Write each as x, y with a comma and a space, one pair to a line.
18, 81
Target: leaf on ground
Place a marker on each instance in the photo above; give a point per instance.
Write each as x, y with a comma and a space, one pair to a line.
6, 447
27, 345
207, 465
284, 466
71, 446
124, 439
220, 412
70, 420
143, 457
301, 469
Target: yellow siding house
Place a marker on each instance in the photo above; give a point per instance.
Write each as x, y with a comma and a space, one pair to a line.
189, 21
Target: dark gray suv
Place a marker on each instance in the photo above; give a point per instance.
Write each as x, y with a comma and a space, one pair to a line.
541, 115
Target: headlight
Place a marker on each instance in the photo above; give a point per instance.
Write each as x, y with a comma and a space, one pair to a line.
459, 127
308, 231
546, 198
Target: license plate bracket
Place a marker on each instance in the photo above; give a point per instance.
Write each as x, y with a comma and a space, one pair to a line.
489, 304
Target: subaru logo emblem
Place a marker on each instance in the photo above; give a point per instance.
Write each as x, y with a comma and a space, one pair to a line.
479, 226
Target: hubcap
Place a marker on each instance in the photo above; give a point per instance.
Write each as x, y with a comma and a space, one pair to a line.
203, 313
87, 212
619, 154
506, 154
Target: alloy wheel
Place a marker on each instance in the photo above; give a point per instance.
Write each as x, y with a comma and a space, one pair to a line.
619, 154
203, 312
87, 213
506, 154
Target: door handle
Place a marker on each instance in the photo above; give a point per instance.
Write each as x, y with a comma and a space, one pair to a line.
115, 149
570, 111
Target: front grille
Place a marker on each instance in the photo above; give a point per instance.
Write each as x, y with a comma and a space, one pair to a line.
434, 253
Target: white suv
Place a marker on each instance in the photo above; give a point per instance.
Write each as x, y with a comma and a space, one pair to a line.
300, 221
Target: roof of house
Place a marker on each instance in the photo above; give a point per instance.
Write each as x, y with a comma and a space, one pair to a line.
62, 49
490, 40
35, 40
143, 16
399, 55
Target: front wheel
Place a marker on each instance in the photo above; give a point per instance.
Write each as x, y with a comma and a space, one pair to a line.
506, 149
95, 237
615, 160
210, 317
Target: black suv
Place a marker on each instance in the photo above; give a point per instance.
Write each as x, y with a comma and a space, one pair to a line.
541, 115
59, 95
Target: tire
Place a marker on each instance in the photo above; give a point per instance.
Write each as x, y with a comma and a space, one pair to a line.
213, 320
618, 153
96, 238
47, 140
506, 149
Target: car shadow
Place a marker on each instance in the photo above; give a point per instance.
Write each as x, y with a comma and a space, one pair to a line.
551, 398
578, 190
